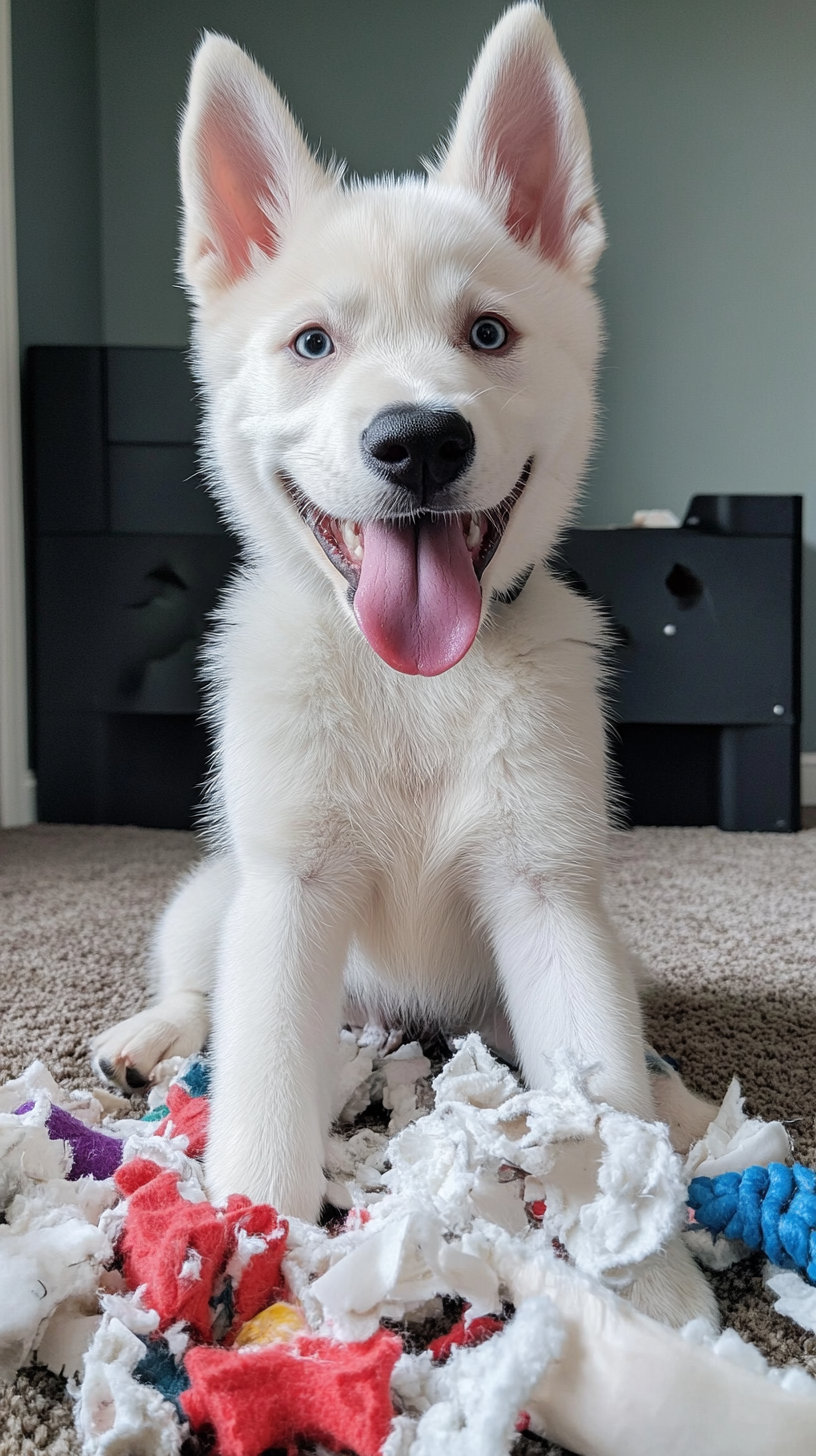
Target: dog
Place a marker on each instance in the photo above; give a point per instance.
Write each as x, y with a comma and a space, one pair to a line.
410, 789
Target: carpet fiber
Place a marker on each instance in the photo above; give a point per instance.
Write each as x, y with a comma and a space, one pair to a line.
725, 925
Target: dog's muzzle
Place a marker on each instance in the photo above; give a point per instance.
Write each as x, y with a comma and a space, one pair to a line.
415, 581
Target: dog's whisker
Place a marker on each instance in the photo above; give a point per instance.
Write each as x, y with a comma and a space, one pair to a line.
477, 266
518, 395
480, 393
516, 292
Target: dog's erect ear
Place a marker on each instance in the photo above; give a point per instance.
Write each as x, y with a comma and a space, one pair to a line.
244, 166
521, 139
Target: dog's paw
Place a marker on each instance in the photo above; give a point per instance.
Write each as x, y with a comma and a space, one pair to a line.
127, 1054
253, 1158
687, 1114
674, 1290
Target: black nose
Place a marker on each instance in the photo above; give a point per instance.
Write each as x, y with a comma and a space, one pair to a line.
423, 450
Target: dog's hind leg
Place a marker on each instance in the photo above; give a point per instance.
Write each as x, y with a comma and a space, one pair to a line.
182, 971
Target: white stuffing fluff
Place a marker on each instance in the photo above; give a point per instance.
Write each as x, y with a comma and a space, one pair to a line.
177, 1338
131, 1311
730, 1346
405, 1073
351, 1089
366, 1074
44, 1265
402, 1261
28, 1156
356, 1165
246, 1247
115, 1414
614, 1193
614, 1190
36, 1083
795, 1297
36, 1078
87, 1198
191, 1267
470, 1405
439, 1206
66, 1339
733, 1141
51, 1247
165, 1073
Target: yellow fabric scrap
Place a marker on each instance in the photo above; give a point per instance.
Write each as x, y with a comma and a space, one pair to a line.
277, 1324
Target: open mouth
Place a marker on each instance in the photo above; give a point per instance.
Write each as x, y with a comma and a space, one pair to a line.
414, 582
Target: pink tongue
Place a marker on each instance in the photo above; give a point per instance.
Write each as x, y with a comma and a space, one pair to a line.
418, 600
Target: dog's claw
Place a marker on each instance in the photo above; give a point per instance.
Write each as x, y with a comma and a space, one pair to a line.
135, 1079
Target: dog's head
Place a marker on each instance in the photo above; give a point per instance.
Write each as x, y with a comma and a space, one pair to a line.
400, 373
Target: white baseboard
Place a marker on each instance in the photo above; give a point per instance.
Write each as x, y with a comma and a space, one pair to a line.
15, 791
30, 798
808, 794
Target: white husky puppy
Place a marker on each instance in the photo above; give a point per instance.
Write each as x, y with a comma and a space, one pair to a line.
399, 382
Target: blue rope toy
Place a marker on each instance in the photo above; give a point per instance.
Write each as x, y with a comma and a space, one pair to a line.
773, 1209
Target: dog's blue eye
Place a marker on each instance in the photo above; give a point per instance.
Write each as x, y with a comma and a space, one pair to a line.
313, 344
488, 333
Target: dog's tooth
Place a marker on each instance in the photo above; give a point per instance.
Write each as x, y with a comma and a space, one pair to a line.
352, 540
474, 532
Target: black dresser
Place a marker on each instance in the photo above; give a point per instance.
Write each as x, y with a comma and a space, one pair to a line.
705, 687
126, 557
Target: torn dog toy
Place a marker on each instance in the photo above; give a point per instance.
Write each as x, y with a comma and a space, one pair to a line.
773, 1209
310, 1389
272, 1333
94, 1154
191, 1257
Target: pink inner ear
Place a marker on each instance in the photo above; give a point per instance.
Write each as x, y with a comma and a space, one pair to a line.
523, 140
236, 177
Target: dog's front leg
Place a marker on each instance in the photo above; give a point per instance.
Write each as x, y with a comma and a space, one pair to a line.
567, 983
276, 1013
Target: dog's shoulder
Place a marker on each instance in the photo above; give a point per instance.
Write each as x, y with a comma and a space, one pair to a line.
548, 626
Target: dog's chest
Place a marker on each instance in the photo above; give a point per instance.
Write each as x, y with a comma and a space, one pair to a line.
417, 927
326, 751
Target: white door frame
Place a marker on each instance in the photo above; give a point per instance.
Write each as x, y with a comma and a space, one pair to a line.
16, 782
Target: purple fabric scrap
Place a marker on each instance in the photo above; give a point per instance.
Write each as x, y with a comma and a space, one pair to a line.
96, 1155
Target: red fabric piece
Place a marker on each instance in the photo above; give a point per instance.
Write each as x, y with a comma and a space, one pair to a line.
135, 1174
261, 1281
312, 1389
189, 1115
479, 1330
357, 1218
163, 1233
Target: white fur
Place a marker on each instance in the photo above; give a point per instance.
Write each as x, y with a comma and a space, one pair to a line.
416, 847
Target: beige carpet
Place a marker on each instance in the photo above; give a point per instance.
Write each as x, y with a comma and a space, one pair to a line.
725, 923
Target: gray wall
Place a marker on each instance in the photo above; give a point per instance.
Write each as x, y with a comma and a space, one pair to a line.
703, 115
56, 168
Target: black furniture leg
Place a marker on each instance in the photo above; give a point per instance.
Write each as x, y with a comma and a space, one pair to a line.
759, 778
